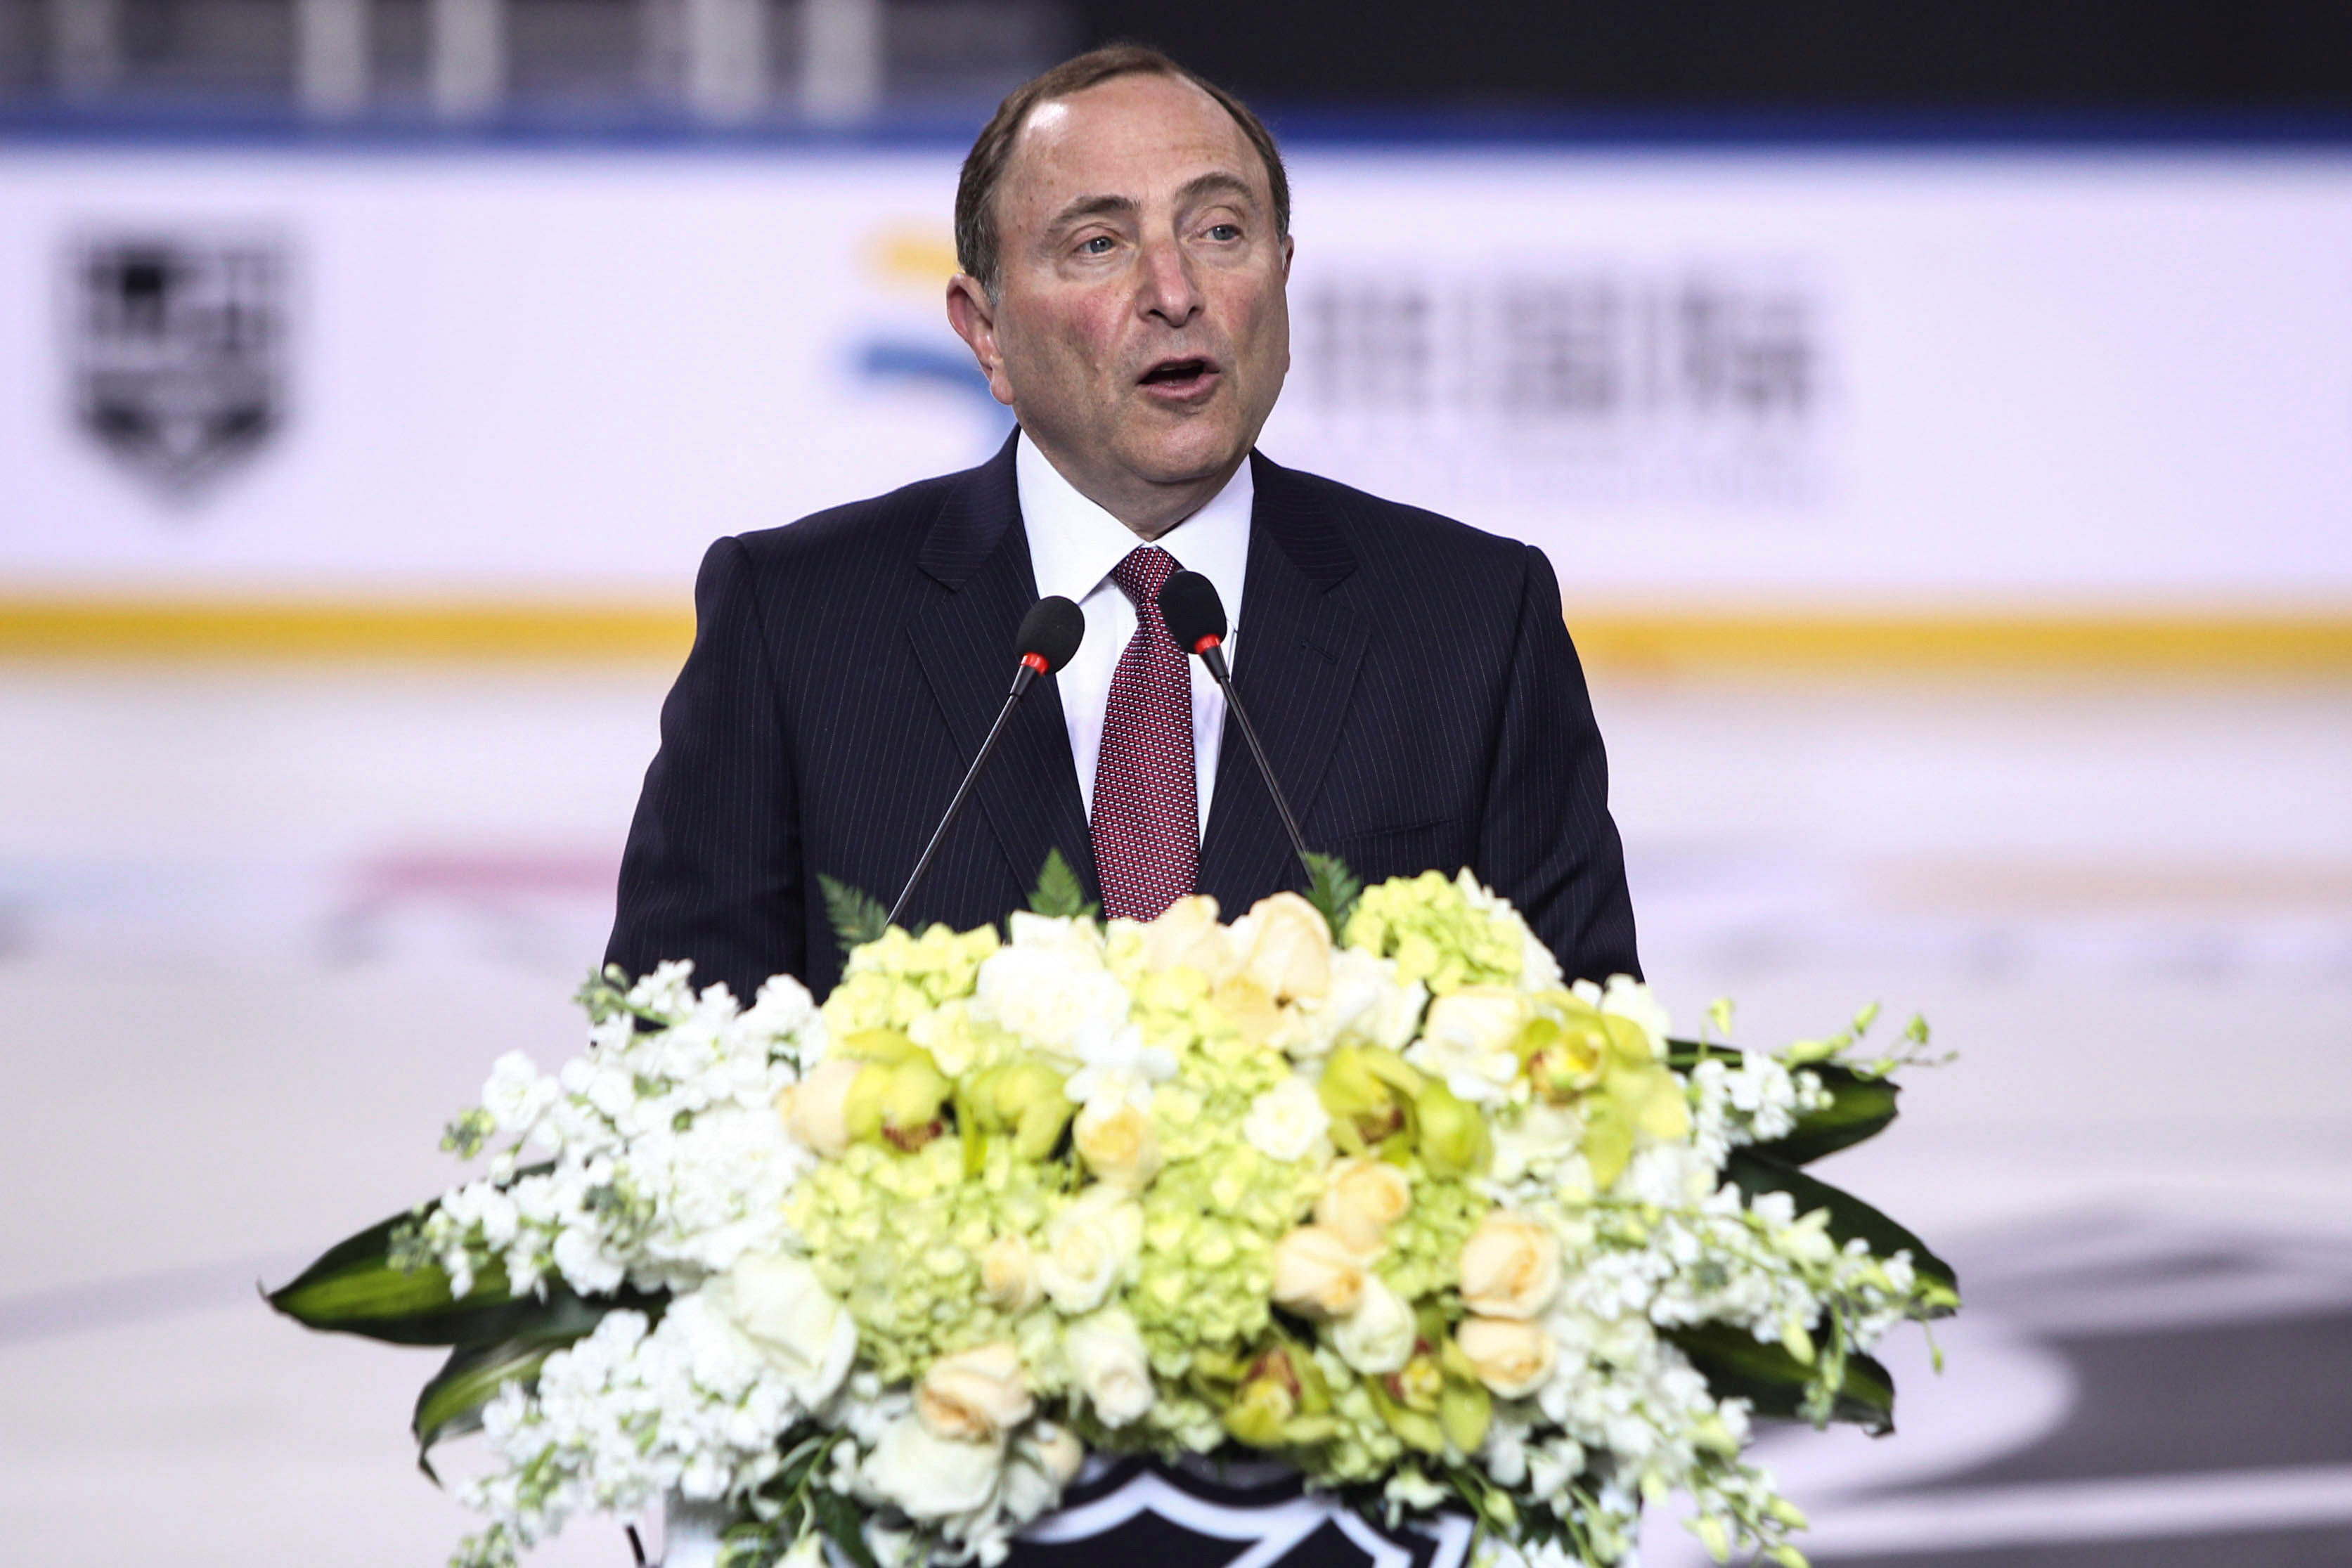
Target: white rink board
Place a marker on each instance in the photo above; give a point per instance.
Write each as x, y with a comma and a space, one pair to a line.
1891, 380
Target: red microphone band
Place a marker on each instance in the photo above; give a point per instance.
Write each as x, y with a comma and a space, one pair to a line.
1037, 662
1207, 643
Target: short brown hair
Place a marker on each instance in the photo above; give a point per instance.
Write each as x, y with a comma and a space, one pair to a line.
984, 168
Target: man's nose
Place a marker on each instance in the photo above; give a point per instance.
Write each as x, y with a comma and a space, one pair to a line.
1170, 291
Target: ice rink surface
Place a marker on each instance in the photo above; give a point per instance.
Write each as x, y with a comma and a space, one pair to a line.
263, 931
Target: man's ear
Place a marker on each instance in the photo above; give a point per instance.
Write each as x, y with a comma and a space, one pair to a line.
974, 320
1289, 249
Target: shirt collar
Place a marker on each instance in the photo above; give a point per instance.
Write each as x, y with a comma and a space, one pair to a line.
1073, 543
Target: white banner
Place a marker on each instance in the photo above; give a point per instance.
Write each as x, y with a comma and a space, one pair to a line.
1882, 380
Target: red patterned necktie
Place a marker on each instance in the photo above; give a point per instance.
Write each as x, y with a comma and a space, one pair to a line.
1147, 813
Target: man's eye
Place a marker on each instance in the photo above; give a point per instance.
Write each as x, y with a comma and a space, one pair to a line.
1099, 245
1225, 231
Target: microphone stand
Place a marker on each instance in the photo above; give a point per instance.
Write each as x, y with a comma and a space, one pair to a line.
1212, 654
1032, 666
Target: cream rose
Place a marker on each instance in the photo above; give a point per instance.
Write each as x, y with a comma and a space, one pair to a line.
1377, 1337
931, 1476
1089, 1247
1114, 1373
1008, 1275
1361, 1200
1118, 1144
815, 1110
1290, 948
1288, 1122
1316, 1274
792, 1320
1510, 1266
1471, 1038
1189, 936
1055, 1449
977, 1395
1511, 1356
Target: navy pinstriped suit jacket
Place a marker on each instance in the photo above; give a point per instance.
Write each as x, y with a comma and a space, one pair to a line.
1410, 677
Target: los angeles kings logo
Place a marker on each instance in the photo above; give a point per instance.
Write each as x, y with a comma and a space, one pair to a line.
178, 346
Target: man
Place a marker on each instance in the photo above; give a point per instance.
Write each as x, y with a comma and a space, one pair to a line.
1123, 231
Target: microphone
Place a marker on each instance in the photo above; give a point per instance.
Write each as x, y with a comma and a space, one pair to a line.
1049, 634
1196, 618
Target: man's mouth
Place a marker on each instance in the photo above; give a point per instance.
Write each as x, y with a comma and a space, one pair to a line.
1183, 375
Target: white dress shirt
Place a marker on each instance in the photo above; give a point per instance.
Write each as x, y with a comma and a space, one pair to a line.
1073, 543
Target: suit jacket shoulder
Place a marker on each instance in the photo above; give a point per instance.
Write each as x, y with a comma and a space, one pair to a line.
1432, 708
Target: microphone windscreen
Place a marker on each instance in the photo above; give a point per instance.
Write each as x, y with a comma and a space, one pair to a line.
1052, 630
1189, 603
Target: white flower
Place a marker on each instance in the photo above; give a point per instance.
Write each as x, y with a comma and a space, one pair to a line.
1055, 1449
1289, 946
808, 1338
1414, 1491
1627, 997
1288, 1122
1363, 1004
1378, 1336
1471, 1038
1118, 1067
1089, 1248
1049, 987
929, 1476
1107, 1356
815, 1111
517, 1093
586, 1267
1539, 1139
1045, 1459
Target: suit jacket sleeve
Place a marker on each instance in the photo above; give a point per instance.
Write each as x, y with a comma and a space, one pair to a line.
712, 870
1546, 841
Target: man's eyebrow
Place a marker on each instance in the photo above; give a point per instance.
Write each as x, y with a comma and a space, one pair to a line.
1093, 207
1217, 182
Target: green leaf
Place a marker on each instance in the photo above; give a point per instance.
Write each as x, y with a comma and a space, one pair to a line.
356, 1288
1861, 1106
451, 1404
1738, 1365
1059, 893
858, 917
843, 1524
1333, 890
1757, 1173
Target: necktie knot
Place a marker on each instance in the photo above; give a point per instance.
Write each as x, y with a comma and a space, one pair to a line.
1141, 571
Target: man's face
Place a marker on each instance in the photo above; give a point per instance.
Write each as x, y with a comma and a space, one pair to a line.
1140, 329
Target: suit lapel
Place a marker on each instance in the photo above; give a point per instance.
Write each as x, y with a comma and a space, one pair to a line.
1299, 648
978, 555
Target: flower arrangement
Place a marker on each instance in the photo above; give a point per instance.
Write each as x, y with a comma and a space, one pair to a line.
1400, 1208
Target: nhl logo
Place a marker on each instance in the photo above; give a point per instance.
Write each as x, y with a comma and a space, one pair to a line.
1158, 1516
179, 351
